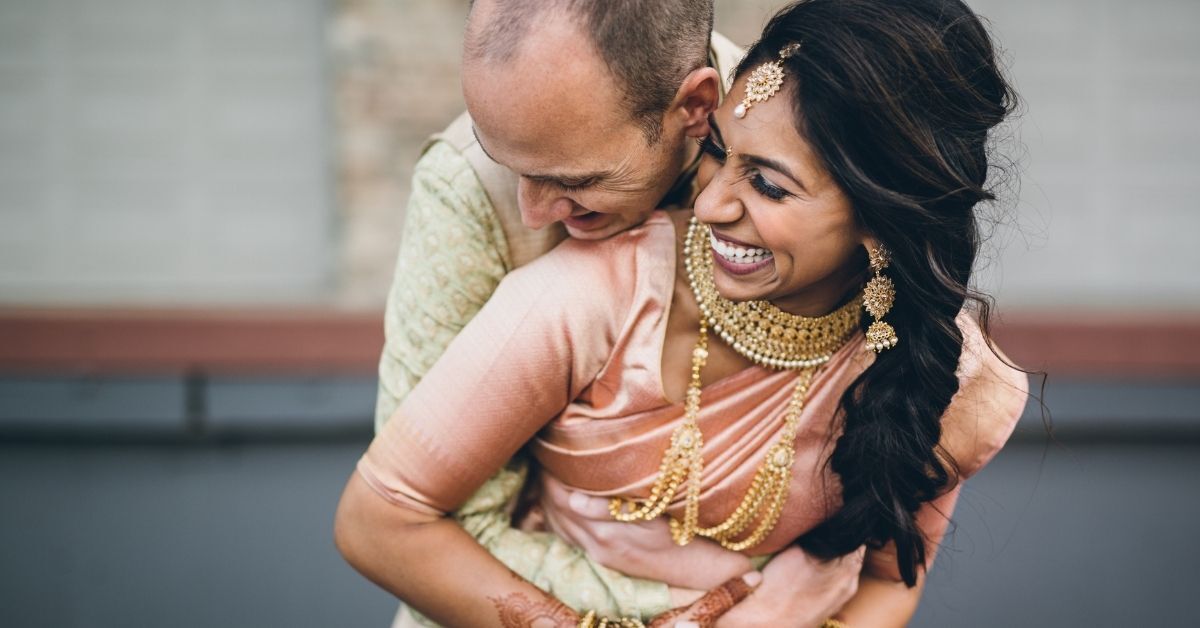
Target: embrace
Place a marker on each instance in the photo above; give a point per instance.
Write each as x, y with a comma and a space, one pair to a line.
682, 335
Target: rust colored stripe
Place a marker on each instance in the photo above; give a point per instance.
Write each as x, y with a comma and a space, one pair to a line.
331, 341
1140, 346
218, 341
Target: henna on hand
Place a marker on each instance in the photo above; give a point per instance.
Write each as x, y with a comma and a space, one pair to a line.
516, 610
706, 610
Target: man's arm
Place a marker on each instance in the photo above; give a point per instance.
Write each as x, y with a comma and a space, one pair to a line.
453, 254
452, 257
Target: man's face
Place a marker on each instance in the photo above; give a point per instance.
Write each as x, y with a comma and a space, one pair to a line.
553, 114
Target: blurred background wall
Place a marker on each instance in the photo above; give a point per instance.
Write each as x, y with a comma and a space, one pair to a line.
200, 204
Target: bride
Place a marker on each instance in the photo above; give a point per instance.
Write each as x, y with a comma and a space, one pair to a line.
798, 361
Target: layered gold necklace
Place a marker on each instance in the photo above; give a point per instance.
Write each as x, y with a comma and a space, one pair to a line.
770, 337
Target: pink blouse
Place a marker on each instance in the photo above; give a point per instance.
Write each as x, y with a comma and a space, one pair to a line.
567, 355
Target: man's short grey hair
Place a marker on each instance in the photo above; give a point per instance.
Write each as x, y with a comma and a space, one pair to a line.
650, 46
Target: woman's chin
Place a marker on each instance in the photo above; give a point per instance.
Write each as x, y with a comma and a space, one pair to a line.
738, 289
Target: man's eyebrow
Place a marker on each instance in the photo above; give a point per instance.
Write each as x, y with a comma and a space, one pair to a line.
765, 162
570, 180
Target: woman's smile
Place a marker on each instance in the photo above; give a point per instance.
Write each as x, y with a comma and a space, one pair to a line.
737, 258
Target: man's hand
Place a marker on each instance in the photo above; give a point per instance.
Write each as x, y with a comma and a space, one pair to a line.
798, 591
643, 549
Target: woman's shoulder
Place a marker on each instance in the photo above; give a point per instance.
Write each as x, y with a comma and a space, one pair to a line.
622, 262
991, 397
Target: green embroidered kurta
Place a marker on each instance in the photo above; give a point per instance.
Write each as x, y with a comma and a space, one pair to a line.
453, 254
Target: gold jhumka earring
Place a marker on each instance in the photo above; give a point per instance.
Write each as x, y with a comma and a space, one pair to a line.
878, 298
764, 81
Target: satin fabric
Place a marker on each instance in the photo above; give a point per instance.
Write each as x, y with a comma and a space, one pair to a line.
566, 357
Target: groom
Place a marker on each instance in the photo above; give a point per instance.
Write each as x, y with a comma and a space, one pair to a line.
581, 120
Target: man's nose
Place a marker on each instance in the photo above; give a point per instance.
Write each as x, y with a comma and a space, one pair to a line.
541, 207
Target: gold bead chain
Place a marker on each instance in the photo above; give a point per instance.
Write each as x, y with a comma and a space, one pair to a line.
789, 341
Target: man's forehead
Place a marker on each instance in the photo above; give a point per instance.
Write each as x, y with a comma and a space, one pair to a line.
532, 164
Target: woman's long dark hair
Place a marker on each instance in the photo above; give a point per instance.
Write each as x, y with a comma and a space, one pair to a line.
898, 97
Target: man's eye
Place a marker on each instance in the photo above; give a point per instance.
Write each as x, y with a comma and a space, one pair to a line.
766, 188
709, 147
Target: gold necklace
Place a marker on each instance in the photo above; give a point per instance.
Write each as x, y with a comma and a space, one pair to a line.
770, 337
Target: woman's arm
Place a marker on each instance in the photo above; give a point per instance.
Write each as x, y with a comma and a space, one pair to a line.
881, 603
430, 561
434, 565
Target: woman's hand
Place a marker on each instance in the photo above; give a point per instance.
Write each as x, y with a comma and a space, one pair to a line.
798, 591
706, 611
643, 549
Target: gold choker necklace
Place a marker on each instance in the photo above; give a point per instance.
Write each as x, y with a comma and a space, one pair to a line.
758, 330
770, 337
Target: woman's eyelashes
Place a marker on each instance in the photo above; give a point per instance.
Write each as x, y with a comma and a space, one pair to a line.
766, 188
710, 147
760, 184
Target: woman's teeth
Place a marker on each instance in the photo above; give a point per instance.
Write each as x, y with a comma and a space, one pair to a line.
739, 254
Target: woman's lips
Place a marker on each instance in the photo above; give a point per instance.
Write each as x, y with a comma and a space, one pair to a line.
737, 258
734, 268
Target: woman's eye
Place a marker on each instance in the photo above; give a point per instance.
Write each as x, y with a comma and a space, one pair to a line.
710, 148
766, 188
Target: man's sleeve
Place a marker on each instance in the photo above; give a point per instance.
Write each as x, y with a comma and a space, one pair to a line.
452, 256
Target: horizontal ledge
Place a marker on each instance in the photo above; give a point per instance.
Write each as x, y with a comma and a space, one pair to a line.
189, 341
322, 341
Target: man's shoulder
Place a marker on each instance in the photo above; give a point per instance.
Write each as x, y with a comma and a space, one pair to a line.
455, 147
499, 186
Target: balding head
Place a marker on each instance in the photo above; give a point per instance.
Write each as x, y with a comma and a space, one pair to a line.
589, 108
648, 46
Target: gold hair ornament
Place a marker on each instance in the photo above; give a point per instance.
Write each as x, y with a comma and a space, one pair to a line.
764, 81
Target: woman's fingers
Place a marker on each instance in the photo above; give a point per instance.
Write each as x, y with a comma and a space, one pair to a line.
704, 612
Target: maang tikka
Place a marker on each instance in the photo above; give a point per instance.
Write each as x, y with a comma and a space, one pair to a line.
764, 81
878, 298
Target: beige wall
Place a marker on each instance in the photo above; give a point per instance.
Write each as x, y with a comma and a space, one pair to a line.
182, 153
1106, 145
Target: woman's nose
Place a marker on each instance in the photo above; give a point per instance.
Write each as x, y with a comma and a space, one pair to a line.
717, 203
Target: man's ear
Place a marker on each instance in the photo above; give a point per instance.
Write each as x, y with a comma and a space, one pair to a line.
697, 96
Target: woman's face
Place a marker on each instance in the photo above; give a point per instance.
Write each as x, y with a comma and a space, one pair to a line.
782, 228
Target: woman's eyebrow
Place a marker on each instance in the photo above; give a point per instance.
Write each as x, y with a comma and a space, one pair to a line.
756, 160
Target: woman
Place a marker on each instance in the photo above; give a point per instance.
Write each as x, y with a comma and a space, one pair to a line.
717, 378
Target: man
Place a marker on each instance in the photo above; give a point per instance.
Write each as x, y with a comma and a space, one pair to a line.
582, 116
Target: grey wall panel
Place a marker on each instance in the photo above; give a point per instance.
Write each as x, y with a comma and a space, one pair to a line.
85, 405
240, 536
290, 404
